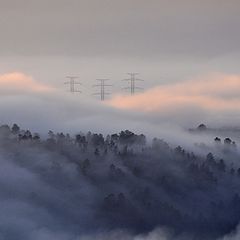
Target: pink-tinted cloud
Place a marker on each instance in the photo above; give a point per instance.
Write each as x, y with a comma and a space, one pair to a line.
215, 92
20, 83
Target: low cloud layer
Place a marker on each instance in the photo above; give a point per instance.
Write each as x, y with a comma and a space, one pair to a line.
215, 95
162, 111
20, 83
50, 192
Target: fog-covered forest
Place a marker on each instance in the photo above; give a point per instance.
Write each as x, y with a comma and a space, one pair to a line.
77, 187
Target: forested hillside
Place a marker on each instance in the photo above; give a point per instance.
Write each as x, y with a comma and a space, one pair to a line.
90, 183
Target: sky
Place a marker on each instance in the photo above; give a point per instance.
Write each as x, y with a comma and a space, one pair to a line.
174, 45
163, 40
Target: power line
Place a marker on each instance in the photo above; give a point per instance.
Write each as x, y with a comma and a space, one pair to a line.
72, 82
102, 85
132, 80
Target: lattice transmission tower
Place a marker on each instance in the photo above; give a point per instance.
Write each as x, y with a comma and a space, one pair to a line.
72, 84
132, 80
102, 85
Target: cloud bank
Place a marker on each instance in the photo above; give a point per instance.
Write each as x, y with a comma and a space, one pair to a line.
162, 111
20, 83
54, 185
216, 95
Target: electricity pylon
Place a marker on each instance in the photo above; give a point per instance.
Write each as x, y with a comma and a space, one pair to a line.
102, 86
132, 80
72, 84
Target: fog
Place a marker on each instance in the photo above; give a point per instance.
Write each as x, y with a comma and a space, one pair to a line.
90, 187
210, 99
167, 112
123, 186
